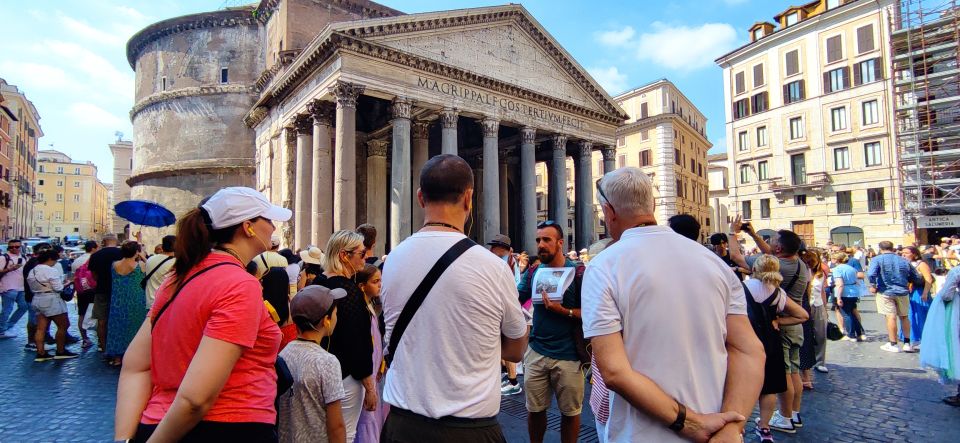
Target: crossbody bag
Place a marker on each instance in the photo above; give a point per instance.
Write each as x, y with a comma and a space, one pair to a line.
143, 283
420, 294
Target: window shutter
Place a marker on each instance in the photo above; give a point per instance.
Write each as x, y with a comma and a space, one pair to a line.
757, 75
846, 77
643, 110
877, 69
786, 94
739, 82
865, 39
793, 62
803, 93
834, 52
826, 83
856, 74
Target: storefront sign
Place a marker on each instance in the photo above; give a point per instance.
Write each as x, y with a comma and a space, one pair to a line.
938, 221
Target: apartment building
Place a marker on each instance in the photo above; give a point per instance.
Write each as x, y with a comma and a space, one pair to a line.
718, 177
809, 124
25, 134
71, 200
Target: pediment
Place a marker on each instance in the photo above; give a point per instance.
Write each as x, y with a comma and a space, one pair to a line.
501, 43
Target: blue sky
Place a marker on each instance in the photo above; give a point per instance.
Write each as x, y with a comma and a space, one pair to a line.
69, 56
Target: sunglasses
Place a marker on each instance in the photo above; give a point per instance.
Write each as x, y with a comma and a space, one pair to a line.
547, 224
602, 195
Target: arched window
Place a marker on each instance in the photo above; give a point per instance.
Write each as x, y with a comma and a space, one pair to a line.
847, 235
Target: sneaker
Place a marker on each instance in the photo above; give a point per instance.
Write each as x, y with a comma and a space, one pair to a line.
65, 355
86, 344
908, 348
862, 338
916, 346
798, 423
30, 347
7, 334
782, 424
71, 339
764, 434
511, 389
43, 357
890, 348
953, 400
822, 369
845, 338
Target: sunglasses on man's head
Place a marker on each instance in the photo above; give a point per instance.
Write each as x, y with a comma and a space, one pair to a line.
547, 224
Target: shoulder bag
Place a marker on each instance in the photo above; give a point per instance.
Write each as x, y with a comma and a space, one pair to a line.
143, 283
420, 294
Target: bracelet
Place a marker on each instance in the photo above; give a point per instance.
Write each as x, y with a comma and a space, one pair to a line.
570, 313
678, 424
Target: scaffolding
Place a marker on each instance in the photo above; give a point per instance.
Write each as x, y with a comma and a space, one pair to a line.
926, 70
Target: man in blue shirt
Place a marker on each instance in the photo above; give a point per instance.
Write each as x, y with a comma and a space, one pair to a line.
890, 276
551, 364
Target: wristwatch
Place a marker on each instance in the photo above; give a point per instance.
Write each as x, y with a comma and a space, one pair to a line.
677, 424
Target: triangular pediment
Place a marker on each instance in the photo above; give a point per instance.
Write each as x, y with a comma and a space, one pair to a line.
503, 43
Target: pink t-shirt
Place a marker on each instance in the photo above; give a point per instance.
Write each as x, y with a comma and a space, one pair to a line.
13, 279
224, 303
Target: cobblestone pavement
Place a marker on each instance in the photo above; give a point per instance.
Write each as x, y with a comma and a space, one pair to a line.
869, 395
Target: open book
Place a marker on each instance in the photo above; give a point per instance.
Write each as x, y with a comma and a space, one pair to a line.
553, 281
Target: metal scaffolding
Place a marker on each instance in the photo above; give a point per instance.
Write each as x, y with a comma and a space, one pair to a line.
926, 67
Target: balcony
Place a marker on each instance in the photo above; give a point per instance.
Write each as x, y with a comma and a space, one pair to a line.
813, 181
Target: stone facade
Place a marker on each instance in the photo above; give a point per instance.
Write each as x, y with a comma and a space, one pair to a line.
122, 152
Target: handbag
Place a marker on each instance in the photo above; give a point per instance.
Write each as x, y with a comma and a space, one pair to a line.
833, 331
68, 292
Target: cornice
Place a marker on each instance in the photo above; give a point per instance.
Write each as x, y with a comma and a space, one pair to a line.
657, 119
215, 19
366, 9
213, 166
195, 91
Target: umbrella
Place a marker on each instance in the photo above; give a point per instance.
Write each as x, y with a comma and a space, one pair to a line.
145, 213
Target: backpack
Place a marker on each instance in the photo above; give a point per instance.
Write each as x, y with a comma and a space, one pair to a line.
757, 314
83, 278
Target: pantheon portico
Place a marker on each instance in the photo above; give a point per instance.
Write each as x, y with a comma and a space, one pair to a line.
344, 128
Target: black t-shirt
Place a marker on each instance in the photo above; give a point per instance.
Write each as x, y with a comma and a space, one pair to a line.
351, 341
100, 264
732, 264
31, 263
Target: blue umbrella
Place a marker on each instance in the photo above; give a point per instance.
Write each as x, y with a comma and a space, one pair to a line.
145, 213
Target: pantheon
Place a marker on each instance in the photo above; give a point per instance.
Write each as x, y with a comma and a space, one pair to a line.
331, 107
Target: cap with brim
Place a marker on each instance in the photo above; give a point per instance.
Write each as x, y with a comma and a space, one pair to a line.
500, 240
312, 256
235, 205
313, 302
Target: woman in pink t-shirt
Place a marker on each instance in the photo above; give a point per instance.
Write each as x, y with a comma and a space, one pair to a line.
201, 368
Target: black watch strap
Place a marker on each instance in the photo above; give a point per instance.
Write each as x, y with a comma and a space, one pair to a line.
677, 424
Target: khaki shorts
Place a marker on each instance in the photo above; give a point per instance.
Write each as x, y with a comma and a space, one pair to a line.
101, 306
792, 339
898, 305
542, 376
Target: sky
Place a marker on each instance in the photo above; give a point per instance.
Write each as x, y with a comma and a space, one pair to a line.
69, 56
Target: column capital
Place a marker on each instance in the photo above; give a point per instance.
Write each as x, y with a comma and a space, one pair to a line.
609, 153
377, 148
303, 124
322, 112
401, 108
449, 117
559, 142
528, 134
291, 135
586, 148
420, 130
491, 126
346, 94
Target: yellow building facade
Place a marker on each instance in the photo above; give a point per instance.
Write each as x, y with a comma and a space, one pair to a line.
71, 200
809, 125
25, 134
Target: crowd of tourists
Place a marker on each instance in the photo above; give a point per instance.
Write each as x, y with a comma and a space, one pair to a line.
223, 335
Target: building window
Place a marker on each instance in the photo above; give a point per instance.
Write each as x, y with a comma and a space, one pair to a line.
223, 75
76, 216
40, 182
621, 160
741, 108
765, 208
76, 171
832, 4
76, 184
834, 49
757, 34
875, 202
747, 213
865, 39
798, 169
793, 92
643, 110
59, 183
792, 62
800, 199
60, 171
838, 119
871, 113
679, 188
163, 83
676, 157
539, 201
621, 141
796, 128
56, 229
841, 159
742, 143
76, 197
793, 18
41, 169
762, 170
844, 203
760, 102
836, 80
739, 84
871, 154
867, 71
59, 197
645, 157
744, 174
761, 136
758, 75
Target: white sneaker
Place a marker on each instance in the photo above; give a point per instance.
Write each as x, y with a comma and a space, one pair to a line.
908, 348
890, 348
7, 334
845, 338
782, 424
822, 369
511, 389
916, 346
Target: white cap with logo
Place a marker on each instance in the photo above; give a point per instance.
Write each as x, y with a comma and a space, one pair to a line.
235, 205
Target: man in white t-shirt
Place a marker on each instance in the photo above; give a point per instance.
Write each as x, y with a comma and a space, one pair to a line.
158, 266
667, 327
443, 383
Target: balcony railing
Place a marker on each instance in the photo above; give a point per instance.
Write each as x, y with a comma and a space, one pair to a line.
814, 181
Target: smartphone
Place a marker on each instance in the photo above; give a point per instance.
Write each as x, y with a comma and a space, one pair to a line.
746, 227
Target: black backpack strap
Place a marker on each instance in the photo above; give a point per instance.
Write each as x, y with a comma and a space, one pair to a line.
793, 280
420, 294
156, 318
143, 283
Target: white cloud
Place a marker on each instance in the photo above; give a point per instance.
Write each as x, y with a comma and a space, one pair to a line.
32, 75
101, 75
610, 78
91, 115
686, 48
85, 31
616, 38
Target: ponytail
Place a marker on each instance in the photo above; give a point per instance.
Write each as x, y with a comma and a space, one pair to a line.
195, 238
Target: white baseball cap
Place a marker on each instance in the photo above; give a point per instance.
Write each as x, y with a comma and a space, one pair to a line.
235, 205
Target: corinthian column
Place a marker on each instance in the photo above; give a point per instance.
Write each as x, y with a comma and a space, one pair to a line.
558, 195
376, 184
288, 180
322, 198
609, 158
583, 210
400, 195
528, 189
304, 125
421, 150
448, 132
491, 180
345, 155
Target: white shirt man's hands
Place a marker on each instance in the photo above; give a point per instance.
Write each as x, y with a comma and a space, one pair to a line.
701, 428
